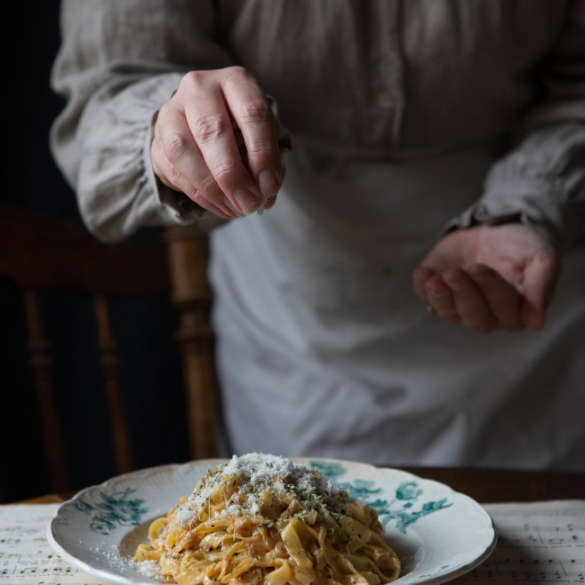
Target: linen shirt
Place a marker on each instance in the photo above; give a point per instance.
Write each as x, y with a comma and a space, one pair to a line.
407, 117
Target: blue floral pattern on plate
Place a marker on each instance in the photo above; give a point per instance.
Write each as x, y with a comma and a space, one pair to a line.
114, 508
98, 531
400, 508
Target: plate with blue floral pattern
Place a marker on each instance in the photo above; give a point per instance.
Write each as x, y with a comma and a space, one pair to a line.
438, 534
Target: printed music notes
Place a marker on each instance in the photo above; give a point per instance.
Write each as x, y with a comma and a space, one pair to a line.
542, 542
25, 555
538, 543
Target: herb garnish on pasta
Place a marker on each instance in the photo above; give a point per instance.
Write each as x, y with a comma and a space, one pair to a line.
267, 520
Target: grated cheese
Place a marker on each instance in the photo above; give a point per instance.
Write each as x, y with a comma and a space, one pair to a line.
259, 472
148, 569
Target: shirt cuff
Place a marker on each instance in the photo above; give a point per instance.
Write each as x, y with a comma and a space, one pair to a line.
481, 213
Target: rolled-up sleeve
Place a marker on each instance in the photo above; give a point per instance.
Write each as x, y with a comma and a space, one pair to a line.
541, 182
118, 64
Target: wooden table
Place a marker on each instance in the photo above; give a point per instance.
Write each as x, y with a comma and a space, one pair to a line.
507, 485
484, 485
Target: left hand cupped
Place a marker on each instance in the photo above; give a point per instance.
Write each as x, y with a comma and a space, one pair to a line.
490, 278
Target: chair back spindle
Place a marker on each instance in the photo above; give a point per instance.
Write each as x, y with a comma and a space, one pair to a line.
41, 363
109, 364
191, 295
43, 253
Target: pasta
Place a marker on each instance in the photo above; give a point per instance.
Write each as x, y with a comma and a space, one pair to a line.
265, 520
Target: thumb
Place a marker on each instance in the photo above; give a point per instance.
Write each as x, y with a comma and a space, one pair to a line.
538, 285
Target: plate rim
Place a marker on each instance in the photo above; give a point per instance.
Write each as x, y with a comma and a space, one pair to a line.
123, 580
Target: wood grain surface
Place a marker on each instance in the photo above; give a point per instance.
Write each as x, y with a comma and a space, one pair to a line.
484, 485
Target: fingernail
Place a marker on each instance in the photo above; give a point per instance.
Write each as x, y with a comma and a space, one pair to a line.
268, 183
455, 285
233, 211
438, 295
246, 201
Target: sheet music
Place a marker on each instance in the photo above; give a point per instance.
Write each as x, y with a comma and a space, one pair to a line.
541, 542
26, 558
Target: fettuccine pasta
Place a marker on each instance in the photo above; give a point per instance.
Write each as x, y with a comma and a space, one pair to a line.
265, 520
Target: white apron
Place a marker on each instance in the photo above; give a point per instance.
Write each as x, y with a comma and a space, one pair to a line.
324, 349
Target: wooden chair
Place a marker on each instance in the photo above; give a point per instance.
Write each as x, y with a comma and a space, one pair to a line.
37, 252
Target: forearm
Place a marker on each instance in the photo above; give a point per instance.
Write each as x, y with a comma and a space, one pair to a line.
118, 64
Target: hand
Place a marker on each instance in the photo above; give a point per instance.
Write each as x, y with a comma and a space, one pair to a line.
490, 277
216, 141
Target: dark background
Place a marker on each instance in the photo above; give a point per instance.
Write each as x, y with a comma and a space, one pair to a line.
151, 367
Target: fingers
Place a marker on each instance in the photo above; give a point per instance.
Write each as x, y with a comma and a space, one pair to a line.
442, 300
419, 279
502, 299
178, 162
434, 293
469, 301
538, 286
253, 115
483, 301
509, 290
216, 140
479, 299
211, 127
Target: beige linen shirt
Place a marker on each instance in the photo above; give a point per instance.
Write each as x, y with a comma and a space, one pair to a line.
406, 116
395, 80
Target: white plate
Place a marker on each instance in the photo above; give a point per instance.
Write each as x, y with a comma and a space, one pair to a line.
437, 533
